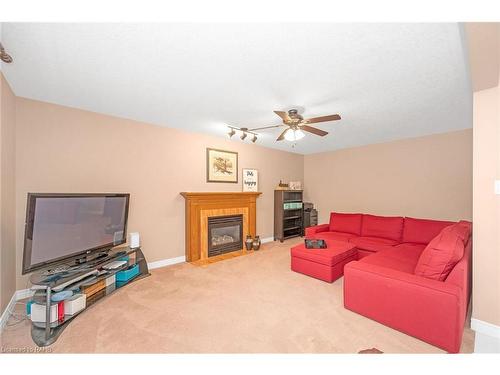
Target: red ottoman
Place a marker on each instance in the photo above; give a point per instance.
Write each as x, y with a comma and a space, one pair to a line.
324, 264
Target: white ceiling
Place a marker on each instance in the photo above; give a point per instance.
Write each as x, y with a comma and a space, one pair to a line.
387, 81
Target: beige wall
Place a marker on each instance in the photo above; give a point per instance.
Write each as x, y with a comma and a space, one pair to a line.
427, 177
7, 194
483, 42
486, 262
484, 58
60, 149
2, 307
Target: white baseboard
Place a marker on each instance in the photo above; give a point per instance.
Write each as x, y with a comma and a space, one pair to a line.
17, 296
182, 259
6, 313
487, 336
166, 262
267, 239
24, 293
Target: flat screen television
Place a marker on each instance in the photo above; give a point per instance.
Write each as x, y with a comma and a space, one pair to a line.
63, 226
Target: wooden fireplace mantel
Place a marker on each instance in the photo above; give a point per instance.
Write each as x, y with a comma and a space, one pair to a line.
222, 194
201, 205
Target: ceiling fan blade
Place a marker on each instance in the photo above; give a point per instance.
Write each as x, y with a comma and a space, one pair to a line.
266, 127
316, 131
282, 135
321, 119
284, 116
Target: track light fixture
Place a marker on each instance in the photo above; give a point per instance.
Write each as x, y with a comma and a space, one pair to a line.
244, 133
4, 56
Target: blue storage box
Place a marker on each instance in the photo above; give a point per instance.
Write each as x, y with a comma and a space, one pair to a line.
122, 277
28, 306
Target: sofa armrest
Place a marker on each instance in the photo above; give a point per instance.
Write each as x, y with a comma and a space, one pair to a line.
427, 309
311, 231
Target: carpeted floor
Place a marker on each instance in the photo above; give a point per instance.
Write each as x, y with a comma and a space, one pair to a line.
248, 304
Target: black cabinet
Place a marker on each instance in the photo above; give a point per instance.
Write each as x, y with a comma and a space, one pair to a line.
310, 215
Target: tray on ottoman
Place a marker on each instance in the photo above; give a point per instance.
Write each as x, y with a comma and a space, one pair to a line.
324, 264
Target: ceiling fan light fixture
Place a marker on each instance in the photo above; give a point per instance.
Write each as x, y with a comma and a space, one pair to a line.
294, 135
299, 134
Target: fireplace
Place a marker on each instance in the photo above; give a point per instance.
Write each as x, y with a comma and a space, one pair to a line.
203, 205
225, 234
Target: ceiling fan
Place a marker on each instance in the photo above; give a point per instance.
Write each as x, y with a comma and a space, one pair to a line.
295, 123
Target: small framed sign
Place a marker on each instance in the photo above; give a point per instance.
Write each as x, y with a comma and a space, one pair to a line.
295, 185
250, 179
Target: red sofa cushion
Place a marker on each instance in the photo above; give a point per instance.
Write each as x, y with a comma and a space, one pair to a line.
338, 236
443, 252
346, 223
408, 252
412, 246
467, 231
422, 230
402, 257
382, 259
372, 243
312, 232
382, 227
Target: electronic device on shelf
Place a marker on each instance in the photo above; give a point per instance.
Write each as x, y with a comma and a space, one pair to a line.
59, 269
61, 272
86, 227
134, 240
315, 244
61, 296
86, 276
114, 265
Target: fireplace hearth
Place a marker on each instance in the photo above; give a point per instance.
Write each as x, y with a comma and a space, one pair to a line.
225, 234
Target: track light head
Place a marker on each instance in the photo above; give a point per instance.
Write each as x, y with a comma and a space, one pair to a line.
254, 139
231, 133
4, 56
243, 136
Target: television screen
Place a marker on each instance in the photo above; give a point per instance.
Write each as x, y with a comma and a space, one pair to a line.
60, 226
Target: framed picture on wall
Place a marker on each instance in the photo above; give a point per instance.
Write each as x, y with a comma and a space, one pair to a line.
250, 179
222, 166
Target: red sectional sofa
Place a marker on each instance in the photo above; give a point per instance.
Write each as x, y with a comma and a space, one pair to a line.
413, 275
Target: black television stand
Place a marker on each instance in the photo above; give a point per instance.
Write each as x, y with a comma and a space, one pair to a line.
46, 333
